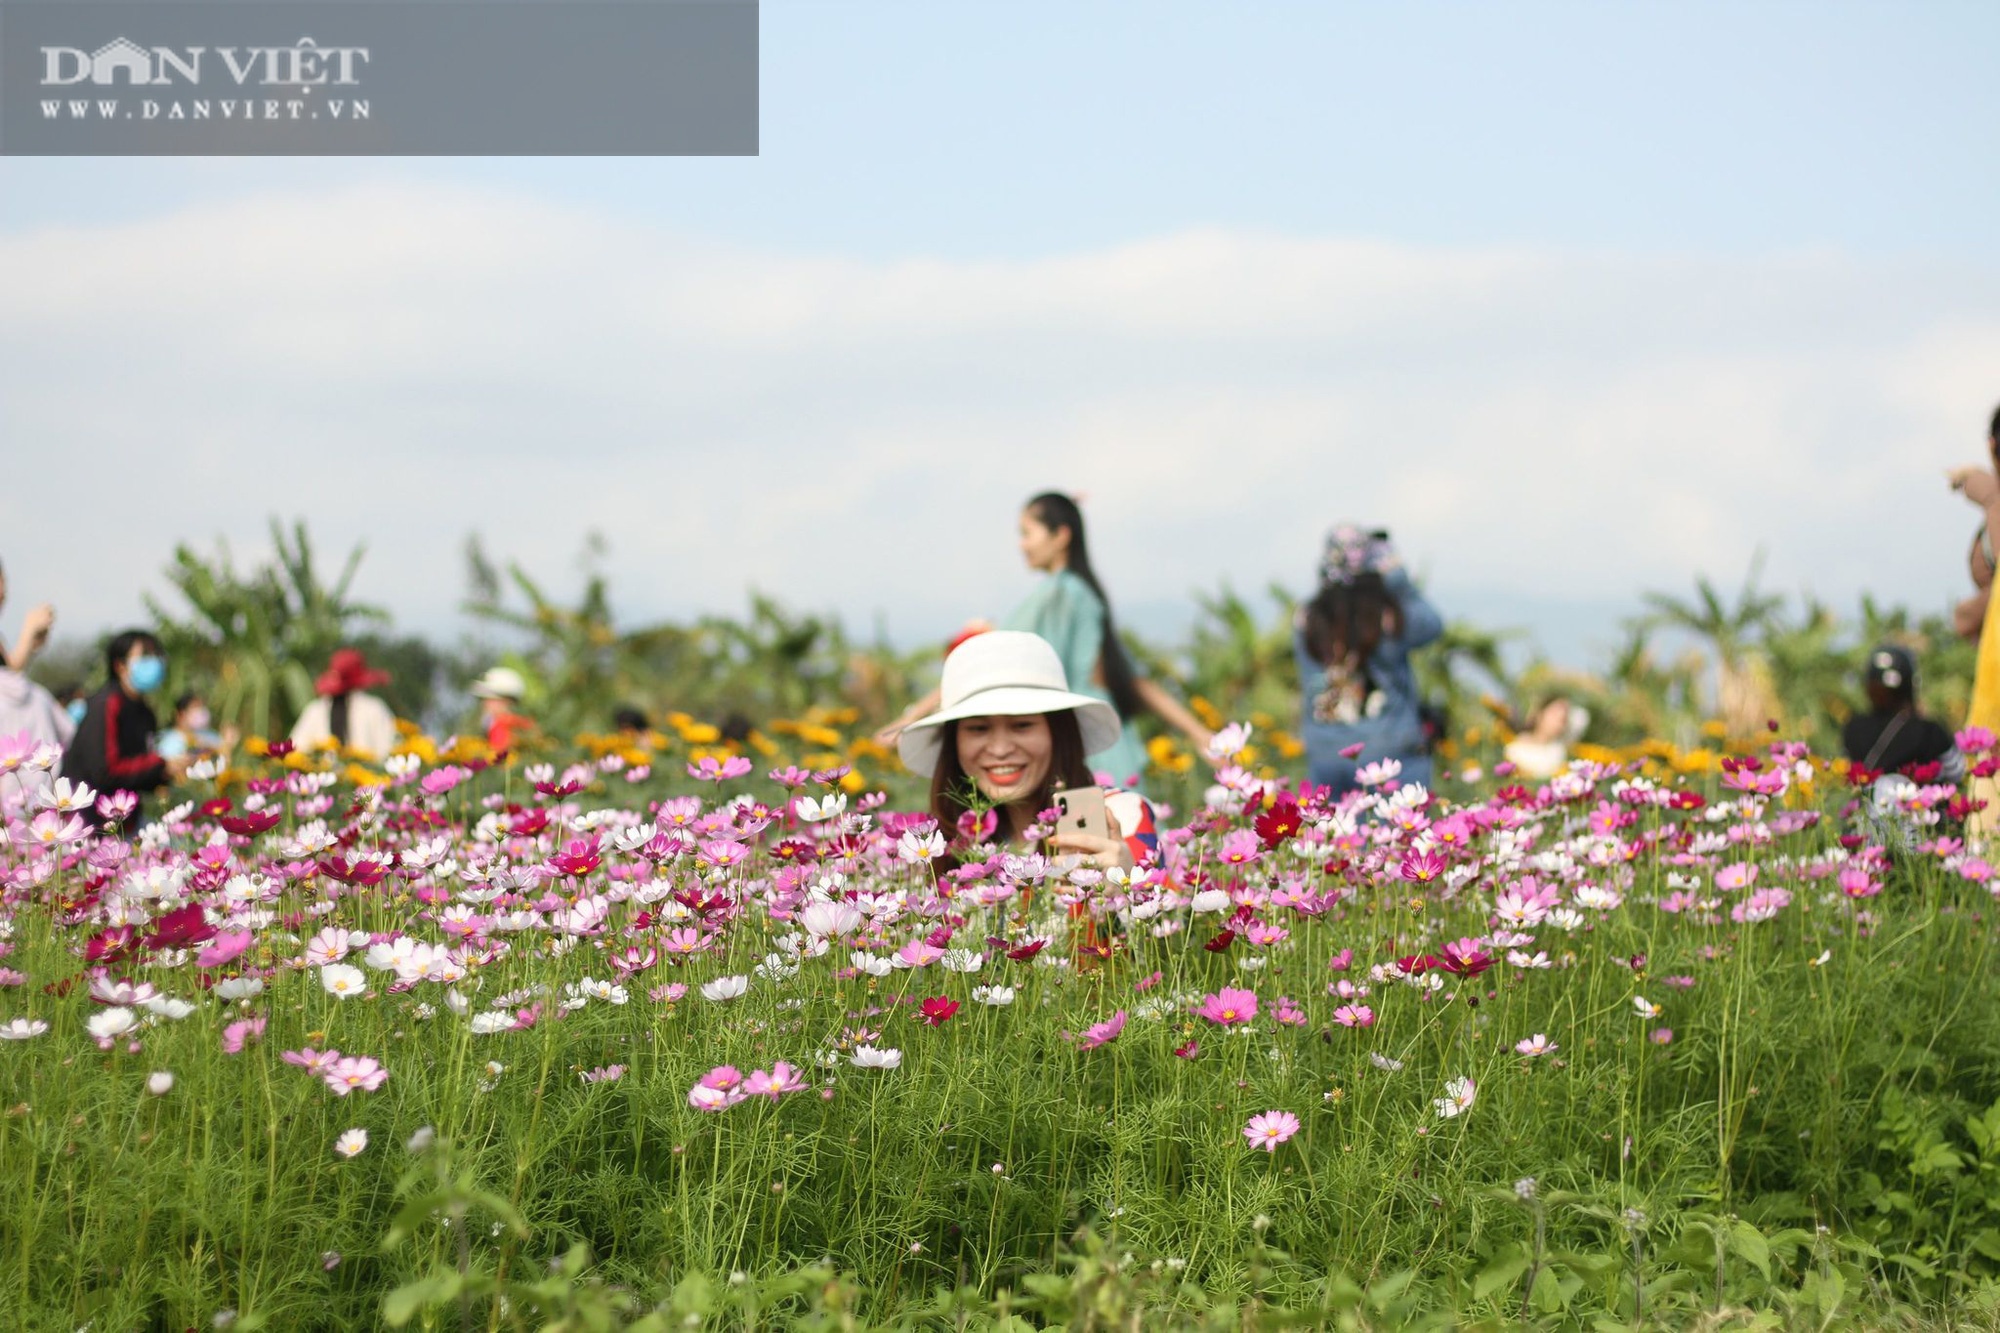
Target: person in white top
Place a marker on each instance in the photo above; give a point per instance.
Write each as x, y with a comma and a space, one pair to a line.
346, 712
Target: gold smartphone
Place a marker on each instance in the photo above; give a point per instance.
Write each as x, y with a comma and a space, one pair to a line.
1081, 810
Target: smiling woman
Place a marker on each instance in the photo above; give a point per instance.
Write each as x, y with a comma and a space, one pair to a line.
1010, 732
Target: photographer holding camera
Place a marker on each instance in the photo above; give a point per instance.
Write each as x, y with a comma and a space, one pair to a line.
1353, 642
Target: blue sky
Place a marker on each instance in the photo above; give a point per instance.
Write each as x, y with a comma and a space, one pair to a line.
1308, 227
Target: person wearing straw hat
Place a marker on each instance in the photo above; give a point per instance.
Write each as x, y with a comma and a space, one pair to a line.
1010, 732
345, 712
500, 692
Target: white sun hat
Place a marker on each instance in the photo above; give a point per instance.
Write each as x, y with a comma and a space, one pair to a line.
1004, 673
500, 683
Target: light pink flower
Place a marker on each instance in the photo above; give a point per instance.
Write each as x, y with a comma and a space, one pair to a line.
1270, 1129
355, 1071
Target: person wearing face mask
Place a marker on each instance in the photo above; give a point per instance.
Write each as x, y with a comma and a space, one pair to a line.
113, 746
193, 732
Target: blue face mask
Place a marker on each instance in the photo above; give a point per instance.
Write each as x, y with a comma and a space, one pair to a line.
75, 710
147, 674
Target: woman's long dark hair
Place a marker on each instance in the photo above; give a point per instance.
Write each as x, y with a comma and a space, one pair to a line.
1067, 768
1054, 510
336, 717
1347, 619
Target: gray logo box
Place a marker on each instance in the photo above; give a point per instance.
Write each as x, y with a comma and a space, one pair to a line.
83, 78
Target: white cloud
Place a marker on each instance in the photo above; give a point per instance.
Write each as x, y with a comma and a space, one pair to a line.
406, 363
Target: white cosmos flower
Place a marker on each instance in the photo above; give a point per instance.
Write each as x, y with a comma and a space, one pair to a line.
351, 1142
813, 811
875, 965
1381, 1061
160, 1082
825, 919
993, 995
343, 980
868, 1057
725, 988
20, 1029
491, 1021
1644, 1007
166, 1006
239, 988
1457, 1098
1209, 900
961, 960
107, 1024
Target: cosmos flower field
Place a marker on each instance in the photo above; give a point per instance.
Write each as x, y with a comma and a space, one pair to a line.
530, 1047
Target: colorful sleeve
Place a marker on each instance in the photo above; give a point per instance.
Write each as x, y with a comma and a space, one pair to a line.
1136, 825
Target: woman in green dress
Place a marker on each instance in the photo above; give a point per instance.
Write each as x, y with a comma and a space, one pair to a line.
1069, 609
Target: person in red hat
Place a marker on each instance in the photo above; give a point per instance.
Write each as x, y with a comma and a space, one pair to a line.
345, 712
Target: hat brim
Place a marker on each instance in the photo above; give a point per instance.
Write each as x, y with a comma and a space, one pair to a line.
922, 742
488, 692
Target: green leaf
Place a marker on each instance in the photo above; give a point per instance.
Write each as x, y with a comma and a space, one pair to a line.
1502, 1272
405, 1301
1747, 1241
1390, 1287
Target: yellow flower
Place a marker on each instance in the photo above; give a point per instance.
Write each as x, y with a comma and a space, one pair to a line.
1206, 711
1168, 756
256, 745
853, 784
1289, 746
1715, 727
364, 777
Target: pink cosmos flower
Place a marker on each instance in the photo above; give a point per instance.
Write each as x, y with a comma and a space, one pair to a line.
1270, 1129
1228, 1006
1739, 876
313, 1062
1856, 883
605, 1074
1188, 1049
1354, 1016
711, 769
1264, 935
1660, 1036
937, 1009
667, 994
1098, 1033
241, 1033
355, 1071
781, 1079
1147, 982
723, 1078
226, 945
918, 953
704, 1098
1288, 1013
1241, 848
1539, 1044
1341, 961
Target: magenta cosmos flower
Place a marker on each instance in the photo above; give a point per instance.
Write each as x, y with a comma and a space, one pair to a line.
1098, 1033
1227, 1006
1270, 1129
